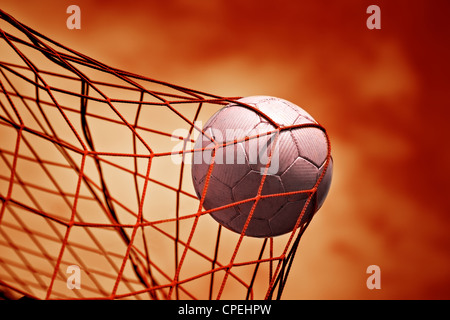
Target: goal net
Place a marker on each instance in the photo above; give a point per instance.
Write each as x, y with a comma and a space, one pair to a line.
96, 195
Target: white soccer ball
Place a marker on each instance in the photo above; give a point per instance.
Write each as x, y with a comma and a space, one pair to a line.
290, 159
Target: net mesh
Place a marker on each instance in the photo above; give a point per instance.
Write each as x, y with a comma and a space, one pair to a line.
89, 179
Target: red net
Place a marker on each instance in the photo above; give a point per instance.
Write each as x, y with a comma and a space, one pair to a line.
87, 179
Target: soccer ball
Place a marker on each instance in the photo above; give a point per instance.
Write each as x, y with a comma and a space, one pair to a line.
258, 138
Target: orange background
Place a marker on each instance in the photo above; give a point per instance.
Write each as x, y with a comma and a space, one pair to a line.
380, 94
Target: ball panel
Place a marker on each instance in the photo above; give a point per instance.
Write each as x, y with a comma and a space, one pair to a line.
285, 151
281, 113
233, 122
311, 144
227, 171
301, 175
285, 219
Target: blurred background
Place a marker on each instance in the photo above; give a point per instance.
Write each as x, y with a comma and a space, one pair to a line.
381, 95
